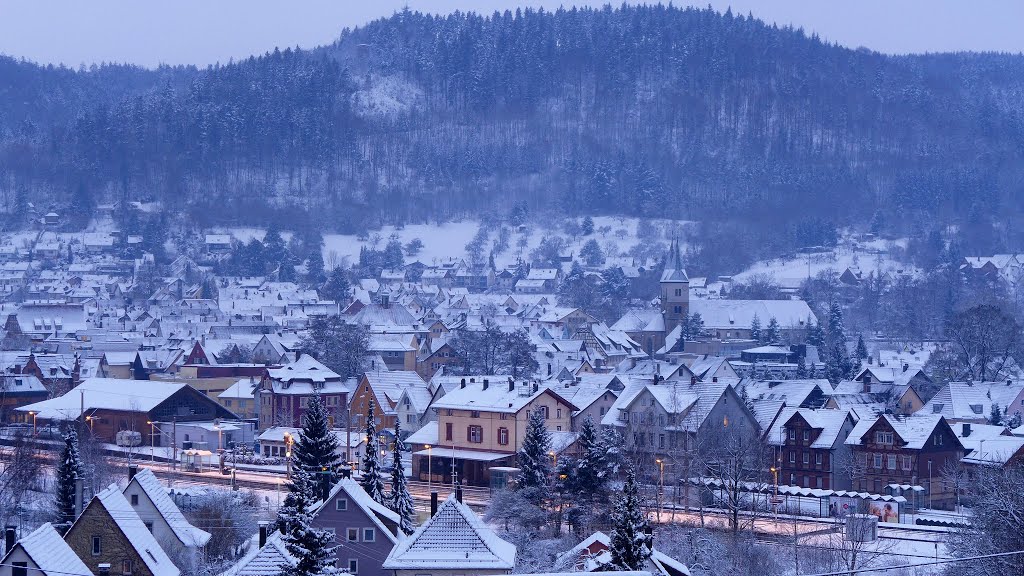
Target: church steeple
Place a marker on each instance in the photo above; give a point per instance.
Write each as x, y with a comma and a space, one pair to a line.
675, 289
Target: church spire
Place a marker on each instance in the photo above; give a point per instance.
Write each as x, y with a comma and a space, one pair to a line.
674, 271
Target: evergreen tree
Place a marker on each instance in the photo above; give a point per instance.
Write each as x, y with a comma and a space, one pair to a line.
801, 367
591, 253
996, 416
372, 480
772, 334
312, 548
587, 226
837, 358
315, 267
815, 334
630, 542
586, 475
755, 328
69, 470
535, 455
862, 349
316, 451
337, 287
400, 501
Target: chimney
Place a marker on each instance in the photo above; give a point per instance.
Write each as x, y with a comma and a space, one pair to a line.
103, 569
10, 538
693, 380
462, 384
433, 504
132, 471
650, 537
485, 383
535, 385
967, 429
263, 532
511, 385
906, 367
325, 485
458, 492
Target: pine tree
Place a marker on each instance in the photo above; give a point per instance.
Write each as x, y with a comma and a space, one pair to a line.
311, 548
317, 449
996, 416
862, 349
535, 455
815, 334
772, 334
588, 474
69, 470
755, 328
400, 501
630, 542
372, 480
801, 367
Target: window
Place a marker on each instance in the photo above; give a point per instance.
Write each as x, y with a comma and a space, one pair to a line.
883, 437
878, 461
679, 291
341, 504
817, 459
448, 431
20, 569
558, 413
352, 535
807, 458
792, 457
891, 462
126, 566
369, 535
475, 434
503, 436
661, 440
474, 414
807, 435
353, 566
906, 462
544, 411
792, 434
303, 402
677, 309
97, 546
451, 412
135, 499
504, 416
938, 439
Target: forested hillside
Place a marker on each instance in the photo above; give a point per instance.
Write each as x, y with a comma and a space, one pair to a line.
652, 111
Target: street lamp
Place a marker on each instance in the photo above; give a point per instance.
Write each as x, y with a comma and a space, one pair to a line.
554, 458
288, 452
152, 440
775, 498
661, 485
91, 420
33, 415
429, 478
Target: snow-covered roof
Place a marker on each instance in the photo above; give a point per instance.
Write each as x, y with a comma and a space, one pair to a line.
973, 400
726, 314
496, 397
244, 388
913, 430
50, 553
830, 422
105, 394
270, 560
118, 507
375, 511
453, 539
640, 320
186, 533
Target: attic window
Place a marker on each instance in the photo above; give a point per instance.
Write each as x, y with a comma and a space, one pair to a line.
937, 408
977, 408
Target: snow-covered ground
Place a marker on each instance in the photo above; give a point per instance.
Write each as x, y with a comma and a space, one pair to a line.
870, 256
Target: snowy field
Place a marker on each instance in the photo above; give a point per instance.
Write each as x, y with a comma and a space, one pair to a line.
871, 256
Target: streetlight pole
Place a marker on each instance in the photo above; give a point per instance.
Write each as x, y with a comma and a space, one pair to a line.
661, 486
288, 453
429, 477
152, 440
33, 414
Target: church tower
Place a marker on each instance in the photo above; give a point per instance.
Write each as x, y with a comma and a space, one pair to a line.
675, 289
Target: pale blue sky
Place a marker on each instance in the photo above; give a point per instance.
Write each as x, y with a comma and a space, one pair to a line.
149, 32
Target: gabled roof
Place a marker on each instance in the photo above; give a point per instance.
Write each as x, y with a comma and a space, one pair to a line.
269, 560
914, 430
375, 511
972, 401
455, 538
186, 533
50, 553
106, 394
496, 398
128, 521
